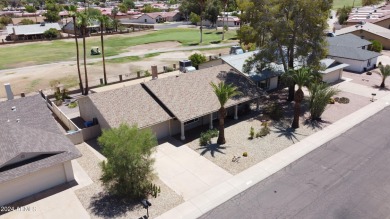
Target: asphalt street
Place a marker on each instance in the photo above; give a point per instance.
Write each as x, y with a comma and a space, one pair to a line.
349, 177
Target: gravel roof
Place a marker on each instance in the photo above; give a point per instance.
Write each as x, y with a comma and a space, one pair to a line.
349, 40
351, 53
36, 132
190, 95
131, 104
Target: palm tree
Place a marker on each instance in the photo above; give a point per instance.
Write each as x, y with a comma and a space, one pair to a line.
72, 9
224, 92
114, 12
320, 94
83, 21
103, 19
302, 77
384, 72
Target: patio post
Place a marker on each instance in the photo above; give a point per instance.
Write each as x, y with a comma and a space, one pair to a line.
235, 112
211, 120
182, 137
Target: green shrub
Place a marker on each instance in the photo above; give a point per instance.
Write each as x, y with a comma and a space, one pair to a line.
194, 18
245, 154
376, 46
251, 133
275, 111
197, 59
205, 137
72, 105
26, 21
168, 69
264, 131
51, 33
331, 101
147, 73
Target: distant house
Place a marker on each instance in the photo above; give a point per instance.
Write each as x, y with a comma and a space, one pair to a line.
171, 105
230, 21
368, 31
156, 17
94, 26
30, 32
352, 50
34, 154
376, 15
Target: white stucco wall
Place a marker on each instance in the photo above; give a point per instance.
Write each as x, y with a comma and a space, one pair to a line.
355, 65
88, 111
161, 130
332, 76
35, 182
149, 20
273, 83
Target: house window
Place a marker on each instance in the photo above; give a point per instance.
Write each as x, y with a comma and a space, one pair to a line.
191, 121
364, 47
146, 20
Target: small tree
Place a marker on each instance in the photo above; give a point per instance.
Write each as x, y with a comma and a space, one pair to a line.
320, 95
128, 171
51, 33
197, 59
26, 21
194, 18
376, 46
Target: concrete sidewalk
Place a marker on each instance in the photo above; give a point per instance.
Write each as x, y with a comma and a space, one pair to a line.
218, 194
186, 172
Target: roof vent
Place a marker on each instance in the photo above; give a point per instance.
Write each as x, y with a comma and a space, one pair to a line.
17, 120
13, 108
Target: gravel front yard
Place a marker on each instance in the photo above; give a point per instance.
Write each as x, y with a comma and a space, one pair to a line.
101, 205
281, 136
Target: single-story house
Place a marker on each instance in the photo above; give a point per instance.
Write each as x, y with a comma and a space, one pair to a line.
94, 26
34, 154
230, 21
350, 49
368, 31
369, 14
156, 17
32, 31
171, 105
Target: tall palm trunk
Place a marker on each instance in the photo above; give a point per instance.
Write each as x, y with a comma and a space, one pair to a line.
221, 136
201, 28
297, 108
104, 61
77, 54
383, 82
85, 61
223, 24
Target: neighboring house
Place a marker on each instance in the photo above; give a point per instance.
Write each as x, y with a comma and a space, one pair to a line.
379, 16
351, 50
34, 153
230, 21
156, 17
169, 105
368, 31
29, 32
94, 26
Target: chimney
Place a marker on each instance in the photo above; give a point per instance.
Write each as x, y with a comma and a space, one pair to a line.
10, 95
154, 72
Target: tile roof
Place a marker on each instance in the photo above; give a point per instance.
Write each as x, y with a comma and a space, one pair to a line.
190, 95
30, 129
349, 40
32, 28
131, 104
351, 53
372, 28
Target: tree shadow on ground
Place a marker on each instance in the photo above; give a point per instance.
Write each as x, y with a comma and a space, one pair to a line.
212, 148
109, 206
283, 128
193, 44
316, 124
380, 88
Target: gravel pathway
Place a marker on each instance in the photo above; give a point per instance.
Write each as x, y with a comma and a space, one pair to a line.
100, 205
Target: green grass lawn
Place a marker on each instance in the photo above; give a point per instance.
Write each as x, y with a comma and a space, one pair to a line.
60, 50
340, 3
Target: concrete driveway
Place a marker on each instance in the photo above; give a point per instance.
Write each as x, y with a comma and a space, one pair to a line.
185, 171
